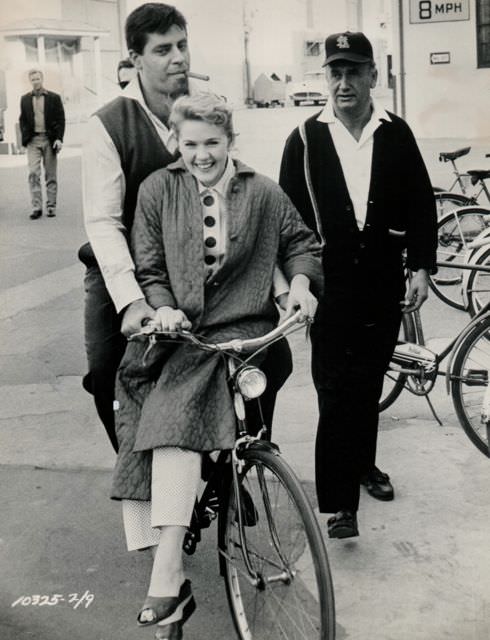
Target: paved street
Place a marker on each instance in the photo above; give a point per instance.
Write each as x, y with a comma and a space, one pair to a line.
420, 569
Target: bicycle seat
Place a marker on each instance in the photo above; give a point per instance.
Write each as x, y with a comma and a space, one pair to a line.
446, 156
478, 174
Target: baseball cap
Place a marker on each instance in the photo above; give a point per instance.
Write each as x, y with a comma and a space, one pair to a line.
349, 45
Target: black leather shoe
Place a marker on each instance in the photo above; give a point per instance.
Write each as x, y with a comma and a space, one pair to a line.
378, 485
37, 213
343, 525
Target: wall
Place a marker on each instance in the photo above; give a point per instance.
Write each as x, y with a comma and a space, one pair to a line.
446, 100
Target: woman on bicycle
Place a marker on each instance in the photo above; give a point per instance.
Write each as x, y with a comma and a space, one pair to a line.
208, 236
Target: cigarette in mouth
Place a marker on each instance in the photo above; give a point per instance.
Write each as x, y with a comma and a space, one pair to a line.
197, 76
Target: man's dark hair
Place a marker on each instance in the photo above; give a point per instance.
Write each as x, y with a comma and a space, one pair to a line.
152, 17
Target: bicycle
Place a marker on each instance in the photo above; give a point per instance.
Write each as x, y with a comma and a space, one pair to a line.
446, 199
271, 551
415, 367
456, 230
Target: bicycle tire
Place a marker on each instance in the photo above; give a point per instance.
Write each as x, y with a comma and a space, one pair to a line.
447, 201
407, 334
469, 380
276, 609
454, 231
478, 285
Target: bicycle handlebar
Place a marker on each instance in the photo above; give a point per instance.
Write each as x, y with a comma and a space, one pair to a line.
237, 344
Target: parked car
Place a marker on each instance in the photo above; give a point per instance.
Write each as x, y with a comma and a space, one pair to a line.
312, 89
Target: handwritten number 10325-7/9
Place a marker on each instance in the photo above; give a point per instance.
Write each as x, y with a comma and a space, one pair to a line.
73, 599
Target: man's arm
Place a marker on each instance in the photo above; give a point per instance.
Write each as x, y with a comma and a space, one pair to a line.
23, 122
292, 178
59, 118
421, 210
103, 189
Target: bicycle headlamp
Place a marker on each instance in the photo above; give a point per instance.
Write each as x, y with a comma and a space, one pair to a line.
251, 382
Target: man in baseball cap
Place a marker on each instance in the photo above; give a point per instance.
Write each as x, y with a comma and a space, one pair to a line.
345, 171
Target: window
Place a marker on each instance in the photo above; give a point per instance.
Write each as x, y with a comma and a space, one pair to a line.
483, 32
313, 48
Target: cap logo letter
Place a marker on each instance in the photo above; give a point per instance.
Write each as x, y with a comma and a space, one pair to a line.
343, 42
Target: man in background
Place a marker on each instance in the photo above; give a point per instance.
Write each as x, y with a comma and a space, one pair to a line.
42, 125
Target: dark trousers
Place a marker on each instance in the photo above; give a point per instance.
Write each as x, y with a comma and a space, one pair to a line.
105, 347
349, 360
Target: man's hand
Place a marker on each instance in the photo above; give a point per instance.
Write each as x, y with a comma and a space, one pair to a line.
135, 315
57, 146
417, 293
301, 296
169, 319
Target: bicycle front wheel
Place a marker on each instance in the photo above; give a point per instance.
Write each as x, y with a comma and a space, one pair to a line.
469, 381
454, 231
286, 592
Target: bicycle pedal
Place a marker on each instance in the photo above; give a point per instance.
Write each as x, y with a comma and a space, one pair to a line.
191, 539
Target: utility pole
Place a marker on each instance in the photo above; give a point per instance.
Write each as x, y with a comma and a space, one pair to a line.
246, 61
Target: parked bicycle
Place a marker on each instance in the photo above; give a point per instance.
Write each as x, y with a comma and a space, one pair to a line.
456, 231
271, 551
448, 199
415, 367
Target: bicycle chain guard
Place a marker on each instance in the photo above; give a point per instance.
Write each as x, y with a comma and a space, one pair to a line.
419, 364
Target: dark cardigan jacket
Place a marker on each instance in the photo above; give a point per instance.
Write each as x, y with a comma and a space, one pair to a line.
54, 117
179, 397
401, 213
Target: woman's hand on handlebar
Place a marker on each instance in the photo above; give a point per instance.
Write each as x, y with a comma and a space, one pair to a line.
169, 319
301, 297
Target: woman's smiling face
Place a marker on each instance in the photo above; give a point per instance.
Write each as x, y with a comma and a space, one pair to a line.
204, 148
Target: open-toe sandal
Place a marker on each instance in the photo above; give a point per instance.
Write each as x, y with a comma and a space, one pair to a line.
173, 630
165, 609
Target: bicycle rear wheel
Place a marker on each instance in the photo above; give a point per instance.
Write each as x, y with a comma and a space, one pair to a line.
293, 598
447, 201
454, 231
478, 285
394, 382
469, 381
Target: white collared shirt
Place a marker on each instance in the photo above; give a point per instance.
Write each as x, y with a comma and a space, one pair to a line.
355, 156
103, 191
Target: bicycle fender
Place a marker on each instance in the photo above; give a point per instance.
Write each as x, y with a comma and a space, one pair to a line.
265, 445
449, 369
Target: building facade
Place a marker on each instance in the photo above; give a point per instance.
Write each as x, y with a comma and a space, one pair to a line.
442, 66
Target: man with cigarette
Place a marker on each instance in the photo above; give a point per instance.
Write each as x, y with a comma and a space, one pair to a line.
126, 140
345, 170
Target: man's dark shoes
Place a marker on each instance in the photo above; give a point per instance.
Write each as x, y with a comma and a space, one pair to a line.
37, 213
51, 212
343, 525
378, 485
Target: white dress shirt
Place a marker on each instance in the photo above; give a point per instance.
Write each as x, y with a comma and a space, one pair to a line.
355, 156
103, 190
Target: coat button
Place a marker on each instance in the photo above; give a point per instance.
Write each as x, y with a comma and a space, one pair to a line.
348, 207
362, 245
215, 284
356, 261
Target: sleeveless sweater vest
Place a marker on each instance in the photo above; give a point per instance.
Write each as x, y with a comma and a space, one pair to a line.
139, 146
